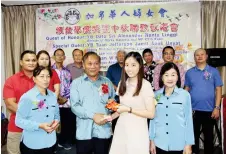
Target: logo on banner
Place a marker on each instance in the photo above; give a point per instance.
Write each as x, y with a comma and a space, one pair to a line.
72, 16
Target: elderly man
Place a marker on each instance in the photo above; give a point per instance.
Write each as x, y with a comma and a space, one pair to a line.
89, 95
205, 86
114, 71
76, 68
66, 116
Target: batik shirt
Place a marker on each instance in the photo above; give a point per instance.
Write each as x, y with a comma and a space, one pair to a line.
65, 79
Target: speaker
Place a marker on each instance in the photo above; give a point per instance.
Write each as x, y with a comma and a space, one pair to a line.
216, 56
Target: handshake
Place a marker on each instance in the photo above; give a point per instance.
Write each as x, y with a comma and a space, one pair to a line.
101, 119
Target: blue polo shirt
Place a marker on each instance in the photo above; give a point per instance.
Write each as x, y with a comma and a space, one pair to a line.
202, 84
114, 73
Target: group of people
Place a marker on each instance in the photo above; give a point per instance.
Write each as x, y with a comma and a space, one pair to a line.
41, 97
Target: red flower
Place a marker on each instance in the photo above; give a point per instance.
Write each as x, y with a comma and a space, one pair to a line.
42, 11
104, 88
59, 16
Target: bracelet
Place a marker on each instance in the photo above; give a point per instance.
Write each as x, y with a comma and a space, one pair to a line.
217, 107
130, 110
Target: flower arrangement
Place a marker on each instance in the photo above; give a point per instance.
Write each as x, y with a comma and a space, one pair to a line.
50, 14
40, 104
207, 75
112, 105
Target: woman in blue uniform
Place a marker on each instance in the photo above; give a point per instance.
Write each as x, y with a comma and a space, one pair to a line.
171, 131
38, 115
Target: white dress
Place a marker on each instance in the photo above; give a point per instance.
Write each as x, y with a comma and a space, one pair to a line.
131, 131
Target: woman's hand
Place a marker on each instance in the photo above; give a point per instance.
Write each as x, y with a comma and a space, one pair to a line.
187, 149
123, 108
46, 127
152, 147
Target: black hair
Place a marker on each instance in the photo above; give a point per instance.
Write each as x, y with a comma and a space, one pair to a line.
91, 53
167, 67
147, 51
168, 47
57, 50
43, 52
38, 70
26, 52
76, 50
124, 76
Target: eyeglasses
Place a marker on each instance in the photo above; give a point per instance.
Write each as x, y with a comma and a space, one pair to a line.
170, 54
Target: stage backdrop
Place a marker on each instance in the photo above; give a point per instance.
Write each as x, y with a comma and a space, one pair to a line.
107, 28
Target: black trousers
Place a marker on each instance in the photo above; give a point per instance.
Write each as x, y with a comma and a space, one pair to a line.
68, 126
25, 150
114, 124
204, 120
160, 151
93, 146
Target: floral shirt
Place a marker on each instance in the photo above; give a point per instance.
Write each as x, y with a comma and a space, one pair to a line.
65, 78
149, 72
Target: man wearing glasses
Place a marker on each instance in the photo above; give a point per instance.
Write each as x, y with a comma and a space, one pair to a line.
66, 116
168, 54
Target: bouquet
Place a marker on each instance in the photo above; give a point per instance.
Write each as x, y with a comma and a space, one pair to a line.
112, 105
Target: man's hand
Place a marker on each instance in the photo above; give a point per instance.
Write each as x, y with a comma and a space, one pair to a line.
11, 104
99, 119
215, 113
187, 149
152, 147
61, 100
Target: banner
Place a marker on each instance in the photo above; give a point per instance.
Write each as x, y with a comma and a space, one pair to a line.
107, 28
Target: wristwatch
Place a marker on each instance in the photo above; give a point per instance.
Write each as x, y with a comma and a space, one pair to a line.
217, 107
130, 111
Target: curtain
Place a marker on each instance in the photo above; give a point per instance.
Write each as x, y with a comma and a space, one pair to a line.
19, 33
213, 18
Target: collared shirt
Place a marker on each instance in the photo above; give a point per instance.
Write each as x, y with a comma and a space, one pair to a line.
14, 87
202, 84
86, 100
149, 72
54, 80
114, 73
157, 71
65, 78
172, 127
34, 109
74, 70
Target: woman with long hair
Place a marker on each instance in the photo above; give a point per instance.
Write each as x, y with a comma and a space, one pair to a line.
44, 60
136, 105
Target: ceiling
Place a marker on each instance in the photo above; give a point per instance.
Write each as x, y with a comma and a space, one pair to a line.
18, 2
9, 3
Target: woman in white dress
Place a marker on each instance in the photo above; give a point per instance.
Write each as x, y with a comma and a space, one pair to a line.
137, 104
